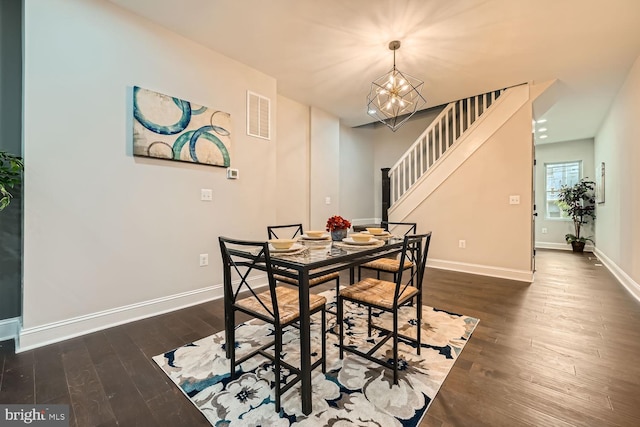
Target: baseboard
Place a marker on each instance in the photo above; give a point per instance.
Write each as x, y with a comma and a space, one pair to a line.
632, 286
482, 270
561, 246
9, 329
30, 338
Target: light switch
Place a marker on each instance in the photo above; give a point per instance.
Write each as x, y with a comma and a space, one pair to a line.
327, 200
204, 260
206, 194
514, 200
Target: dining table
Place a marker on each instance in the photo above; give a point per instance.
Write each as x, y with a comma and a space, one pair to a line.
313, 257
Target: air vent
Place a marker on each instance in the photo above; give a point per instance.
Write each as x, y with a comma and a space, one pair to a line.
258, 115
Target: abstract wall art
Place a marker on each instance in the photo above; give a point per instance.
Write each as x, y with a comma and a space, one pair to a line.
165, 127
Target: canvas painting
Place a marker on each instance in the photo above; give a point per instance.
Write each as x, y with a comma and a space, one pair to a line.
170, 128
600, 183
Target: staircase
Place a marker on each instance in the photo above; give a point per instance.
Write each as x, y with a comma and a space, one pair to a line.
455, 134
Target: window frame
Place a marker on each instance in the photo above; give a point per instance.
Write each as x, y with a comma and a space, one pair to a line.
546, 186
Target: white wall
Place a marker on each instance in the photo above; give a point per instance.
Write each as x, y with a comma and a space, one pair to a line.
108, 236
568, 151
293, 161
618, 223
325, 168
357, 192
319, 158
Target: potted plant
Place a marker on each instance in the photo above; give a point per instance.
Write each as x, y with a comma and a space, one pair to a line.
578, 202
338, 227
10, 173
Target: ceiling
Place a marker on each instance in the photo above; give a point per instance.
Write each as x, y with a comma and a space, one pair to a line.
326, 53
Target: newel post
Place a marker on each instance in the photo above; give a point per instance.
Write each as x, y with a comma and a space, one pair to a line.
386, 193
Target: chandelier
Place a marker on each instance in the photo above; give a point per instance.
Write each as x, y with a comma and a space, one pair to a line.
395, 96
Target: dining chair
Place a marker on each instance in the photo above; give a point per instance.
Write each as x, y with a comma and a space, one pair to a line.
292, 231
389, 297
277, 306
390, 265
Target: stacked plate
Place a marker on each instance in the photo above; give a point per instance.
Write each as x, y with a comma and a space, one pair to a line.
316, 235
378, 233
351, 241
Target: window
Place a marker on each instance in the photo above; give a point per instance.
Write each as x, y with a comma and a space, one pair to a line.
557, 175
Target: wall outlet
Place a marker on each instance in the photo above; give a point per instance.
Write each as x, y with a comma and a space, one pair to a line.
327, 200
206, 194
514, 200
544, 230
462, 244
204, 260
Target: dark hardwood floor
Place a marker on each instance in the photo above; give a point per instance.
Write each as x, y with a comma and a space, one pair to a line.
562, 351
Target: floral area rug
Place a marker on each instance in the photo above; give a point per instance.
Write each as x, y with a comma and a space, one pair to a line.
353, 391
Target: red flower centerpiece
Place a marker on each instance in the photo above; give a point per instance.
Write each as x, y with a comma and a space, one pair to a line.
338, 227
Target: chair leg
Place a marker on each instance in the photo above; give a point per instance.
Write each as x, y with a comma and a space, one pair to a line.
369, 321
228, 321
359, 273
411, 302
395, 346
419, 317
324, 341
341, 327
276, 364
231, 344
337, 288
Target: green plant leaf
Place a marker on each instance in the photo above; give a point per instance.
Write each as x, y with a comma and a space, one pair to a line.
11, 168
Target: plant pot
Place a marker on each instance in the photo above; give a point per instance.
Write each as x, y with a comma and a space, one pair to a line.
577, 246
338, 235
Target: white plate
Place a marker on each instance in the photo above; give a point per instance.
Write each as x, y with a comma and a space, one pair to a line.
293, 248
384, 233
323, 237
350, 241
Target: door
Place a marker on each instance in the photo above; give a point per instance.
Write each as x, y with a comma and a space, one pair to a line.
534, 212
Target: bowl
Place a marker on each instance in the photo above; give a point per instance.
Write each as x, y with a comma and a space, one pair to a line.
375, 230
282, 243
360, 238
316, 233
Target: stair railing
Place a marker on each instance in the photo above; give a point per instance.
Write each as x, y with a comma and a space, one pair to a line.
440, 136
